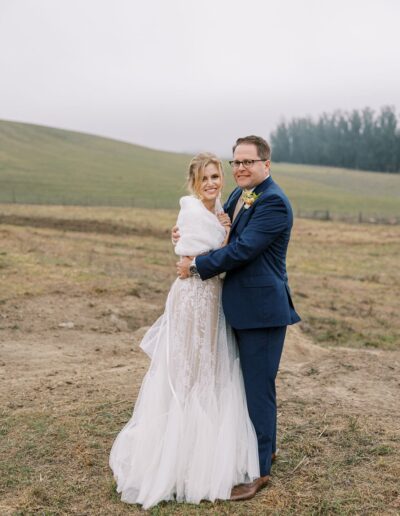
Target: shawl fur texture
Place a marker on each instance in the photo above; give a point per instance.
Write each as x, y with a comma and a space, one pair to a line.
200, 230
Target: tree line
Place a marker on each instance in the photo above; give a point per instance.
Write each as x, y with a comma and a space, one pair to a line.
360, 139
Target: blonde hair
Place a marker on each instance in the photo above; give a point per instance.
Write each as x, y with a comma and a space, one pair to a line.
196, 170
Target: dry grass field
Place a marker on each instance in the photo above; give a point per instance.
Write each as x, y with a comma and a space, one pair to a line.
78, 288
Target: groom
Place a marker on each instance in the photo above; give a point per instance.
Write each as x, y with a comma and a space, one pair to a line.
256, 296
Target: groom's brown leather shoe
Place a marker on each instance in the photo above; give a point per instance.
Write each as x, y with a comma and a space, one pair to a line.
247, 491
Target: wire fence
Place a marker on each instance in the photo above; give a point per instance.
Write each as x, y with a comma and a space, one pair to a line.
358, 217
87, 200
353, 218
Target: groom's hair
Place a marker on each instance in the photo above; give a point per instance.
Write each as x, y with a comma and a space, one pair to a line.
263, 149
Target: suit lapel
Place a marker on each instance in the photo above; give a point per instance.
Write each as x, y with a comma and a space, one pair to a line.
232, 202
257, 190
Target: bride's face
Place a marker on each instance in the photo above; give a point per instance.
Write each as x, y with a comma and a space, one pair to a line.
211, 183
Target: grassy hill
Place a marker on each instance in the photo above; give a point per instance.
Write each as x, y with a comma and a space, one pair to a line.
47, 165
52, 166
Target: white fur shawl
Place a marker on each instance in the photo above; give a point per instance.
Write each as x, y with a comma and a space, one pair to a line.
200, 230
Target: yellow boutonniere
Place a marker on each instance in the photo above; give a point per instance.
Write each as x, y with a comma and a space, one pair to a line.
249, 198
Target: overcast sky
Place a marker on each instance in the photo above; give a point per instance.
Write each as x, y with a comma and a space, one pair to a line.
191, 75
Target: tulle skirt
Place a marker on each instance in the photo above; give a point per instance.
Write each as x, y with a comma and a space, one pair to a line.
190, 437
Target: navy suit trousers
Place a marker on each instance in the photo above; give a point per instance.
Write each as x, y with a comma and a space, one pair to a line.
260, 353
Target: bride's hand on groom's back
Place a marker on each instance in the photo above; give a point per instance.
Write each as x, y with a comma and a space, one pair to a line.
175, 235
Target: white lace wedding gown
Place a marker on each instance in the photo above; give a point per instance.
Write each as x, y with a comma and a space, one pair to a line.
190, 437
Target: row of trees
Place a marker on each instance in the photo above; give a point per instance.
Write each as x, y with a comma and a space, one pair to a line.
358, 139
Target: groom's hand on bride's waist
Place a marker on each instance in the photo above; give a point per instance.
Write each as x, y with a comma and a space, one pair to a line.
183, 267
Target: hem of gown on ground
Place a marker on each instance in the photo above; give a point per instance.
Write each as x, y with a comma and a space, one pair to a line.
192, 440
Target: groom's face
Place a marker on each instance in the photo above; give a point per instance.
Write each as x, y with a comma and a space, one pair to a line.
250, 176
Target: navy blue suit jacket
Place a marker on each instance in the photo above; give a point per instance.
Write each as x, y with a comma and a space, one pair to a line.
256, 293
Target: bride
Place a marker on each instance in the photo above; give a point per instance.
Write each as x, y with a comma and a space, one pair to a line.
190, 437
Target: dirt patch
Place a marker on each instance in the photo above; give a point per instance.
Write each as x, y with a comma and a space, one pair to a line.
44, 360
81, 225
68, 391
361, 381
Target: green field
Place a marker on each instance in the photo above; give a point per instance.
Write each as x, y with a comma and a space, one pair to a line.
43, 165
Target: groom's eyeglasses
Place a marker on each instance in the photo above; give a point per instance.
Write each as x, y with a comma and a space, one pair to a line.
247, 163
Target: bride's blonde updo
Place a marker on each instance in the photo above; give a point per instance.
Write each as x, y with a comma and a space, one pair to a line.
196, 170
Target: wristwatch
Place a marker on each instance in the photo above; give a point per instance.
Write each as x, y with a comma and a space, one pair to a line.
193, 269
